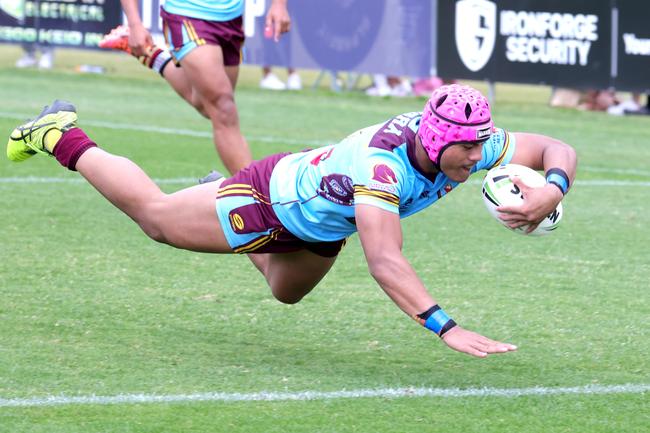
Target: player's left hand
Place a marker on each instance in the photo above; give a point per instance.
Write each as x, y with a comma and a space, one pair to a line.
277, 20
474, 344
538, 204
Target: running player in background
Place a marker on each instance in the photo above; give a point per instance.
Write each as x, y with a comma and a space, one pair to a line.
205, 39
292, 212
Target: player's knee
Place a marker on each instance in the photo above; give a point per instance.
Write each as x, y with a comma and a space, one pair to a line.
287, 295
150, 220
153, 230
224, 108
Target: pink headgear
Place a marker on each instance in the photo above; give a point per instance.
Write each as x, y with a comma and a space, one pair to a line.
454, 113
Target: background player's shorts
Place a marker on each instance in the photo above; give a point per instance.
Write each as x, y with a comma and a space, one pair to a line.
183, 34
249, 221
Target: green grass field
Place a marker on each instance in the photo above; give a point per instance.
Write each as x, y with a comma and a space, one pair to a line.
91, 307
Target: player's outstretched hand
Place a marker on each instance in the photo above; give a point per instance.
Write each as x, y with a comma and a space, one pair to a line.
139, 40
474, 344
538, 204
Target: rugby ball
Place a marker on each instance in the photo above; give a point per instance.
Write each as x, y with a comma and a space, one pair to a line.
498, 190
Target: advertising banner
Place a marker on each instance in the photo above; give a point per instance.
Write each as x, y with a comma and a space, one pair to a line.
66, 23
379, 36
559, 42
632, 70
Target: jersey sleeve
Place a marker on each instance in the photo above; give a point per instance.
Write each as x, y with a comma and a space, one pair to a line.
498, 150
379, 181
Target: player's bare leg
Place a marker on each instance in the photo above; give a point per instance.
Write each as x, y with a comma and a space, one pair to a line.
157, 59
178, 81
186, 219
204, 68
291, 276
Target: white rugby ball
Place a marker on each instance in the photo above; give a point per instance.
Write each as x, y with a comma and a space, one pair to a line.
498, 190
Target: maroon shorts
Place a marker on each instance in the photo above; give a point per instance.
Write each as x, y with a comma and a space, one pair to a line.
183, 34
249, 221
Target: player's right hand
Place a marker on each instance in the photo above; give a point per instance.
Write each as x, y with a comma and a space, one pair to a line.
139, 40
474, 344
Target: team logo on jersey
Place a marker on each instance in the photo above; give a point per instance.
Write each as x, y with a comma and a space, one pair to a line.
337, 188
384, 174
383, 179
476, 27
236, 222
322, 157
447, 188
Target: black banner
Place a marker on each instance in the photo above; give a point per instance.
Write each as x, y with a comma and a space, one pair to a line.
66, 23
632, 71
558, 42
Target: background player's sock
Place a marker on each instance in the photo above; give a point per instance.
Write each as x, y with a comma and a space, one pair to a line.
156, 58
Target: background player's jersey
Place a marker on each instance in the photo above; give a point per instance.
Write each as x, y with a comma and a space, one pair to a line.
314, 193
209, 10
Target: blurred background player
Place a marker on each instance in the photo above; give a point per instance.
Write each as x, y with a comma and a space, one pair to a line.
291, 213
205, 40
389, 85
30, 56
270, 81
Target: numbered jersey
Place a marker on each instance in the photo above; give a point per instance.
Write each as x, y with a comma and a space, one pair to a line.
209, 10
314, 193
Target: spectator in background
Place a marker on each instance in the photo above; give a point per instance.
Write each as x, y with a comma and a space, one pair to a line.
630, 106
270, 81
425, 86
598, 100
591, 100
389, 85
29, 58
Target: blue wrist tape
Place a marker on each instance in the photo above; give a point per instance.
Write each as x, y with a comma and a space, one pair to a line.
559, 178
436, 320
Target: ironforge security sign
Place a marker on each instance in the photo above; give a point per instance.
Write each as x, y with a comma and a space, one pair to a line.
563, 39
561, 42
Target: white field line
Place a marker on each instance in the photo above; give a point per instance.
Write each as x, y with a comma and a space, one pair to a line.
193, 180
224, 397
631, 171
182, 132
268, 139
81, 180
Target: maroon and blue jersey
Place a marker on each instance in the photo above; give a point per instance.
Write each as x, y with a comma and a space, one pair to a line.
209, 10
314, 193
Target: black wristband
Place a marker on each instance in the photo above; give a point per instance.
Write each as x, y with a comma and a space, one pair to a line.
559, 178
436, 320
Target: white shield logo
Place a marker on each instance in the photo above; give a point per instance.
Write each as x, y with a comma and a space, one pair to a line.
475, 32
